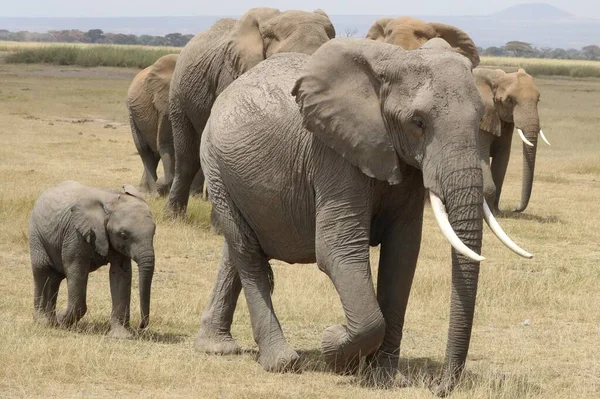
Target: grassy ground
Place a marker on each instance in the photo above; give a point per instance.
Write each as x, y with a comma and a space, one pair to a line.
70, 123
89, 55
546, 67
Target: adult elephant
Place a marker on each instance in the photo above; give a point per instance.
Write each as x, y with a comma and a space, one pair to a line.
214, 59
342, 166
412, 33
148, 106
511, 100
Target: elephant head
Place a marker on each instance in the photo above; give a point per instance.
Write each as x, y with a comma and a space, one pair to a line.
511, 100
385, 110
120, 222
158, 81
262, 32
411, 33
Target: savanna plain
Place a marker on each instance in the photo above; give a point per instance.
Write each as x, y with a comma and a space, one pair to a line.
537, 322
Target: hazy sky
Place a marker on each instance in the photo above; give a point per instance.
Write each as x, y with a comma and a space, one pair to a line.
118, 8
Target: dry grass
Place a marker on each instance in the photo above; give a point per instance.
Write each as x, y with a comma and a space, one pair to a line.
545, 67
71, 124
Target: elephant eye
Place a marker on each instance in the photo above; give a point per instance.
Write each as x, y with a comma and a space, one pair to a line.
123, 235
419, 122
508, 100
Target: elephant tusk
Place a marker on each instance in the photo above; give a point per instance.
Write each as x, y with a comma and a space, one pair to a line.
502, 236
522, 136
439, 210
544, 137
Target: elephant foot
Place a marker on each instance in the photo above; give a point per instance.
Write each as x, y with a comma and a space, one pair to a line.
223, 344
45, 320
119, 332
278, 360
381, 372
332, 347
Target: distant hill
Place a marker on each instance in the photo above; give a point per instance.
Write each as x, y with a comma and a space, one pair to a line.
546, 26
532, 11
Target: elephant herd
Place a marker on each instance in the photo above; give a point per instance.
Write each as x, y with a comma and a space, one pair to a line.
312, 149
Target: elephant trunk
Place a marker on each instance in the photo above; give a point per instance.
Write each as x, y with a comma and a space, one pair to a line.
146, 271
527, 120
529, 154
463, 192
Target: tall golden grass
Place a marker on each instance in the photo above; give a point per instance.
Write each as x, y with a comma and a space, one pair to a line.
68, 123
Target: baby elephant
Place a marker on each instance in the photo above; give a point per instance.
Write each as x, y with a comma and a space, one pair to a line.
75, 229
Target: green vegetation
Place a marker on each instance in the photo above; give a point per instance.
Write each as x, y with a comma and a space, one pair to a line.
90, 55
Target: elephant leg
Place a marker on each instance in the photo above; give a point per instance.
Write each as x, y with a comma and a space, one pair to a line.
186, 140
397, 264
46, 285
149, 159
244, 253
120, 291
166, 151
215, 324
77, 291
500, 153
342, 251
197, 187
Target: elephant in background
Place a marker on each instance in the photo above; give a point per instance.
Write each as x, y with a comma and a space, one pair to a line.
412, 33
316, 158
215, 58
75, 229
511, 100
148, 106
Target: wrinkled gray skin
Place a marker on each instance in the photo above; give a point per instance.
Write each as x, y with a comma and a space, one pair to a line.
148, 107
75, 229
214, 59
511, 101
382, 125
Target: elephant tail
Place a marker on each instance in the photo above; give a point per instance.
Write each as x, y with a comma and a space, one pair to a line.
271, 277
135, 131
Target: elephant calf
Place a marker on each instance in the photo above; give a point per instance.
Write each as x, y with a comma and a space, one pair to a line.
75, 229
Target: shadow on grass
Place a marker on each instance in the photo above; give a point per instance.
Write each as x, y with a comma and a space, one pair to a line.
149, 335
528, 216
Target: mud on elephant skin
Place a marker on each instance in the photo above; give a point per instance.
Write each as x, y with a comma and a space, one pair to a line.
215, 58
148, 107
511, 101
75, 229
340, 165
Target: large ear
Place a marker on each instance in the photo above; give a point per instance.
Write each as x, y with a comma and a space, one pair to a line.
330, 29
459, 40
491, 120
339, 97
130, 190
158, 81
377, 30
89, 218
245, 48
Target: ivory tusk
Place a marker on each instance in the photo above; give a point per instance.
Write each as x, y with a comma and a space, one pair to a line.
502, 236
522, 136
544, 137
439, 210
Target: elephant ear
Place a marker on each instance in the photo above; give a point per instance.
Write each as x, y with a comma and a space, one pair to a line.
158, 81
130, 190
89, 218
245, 48
338, 93
491, 120
459, 40
377, 30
